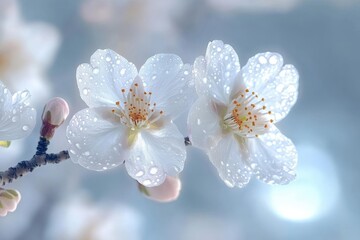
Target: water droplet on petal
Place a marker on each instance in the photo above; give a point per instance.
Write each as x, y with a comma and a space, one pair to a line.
153, 170
146, 182
14, 118
262, 60
96, 70
273, 59
139, 173
25, 128
85, 91
122, 71
87, 153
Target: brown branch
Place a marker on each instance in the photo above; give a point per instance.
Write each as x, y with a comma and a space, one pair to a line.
28, 166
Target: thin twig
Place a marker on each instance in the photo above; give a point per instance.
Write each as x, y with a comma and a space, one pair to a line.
28, 166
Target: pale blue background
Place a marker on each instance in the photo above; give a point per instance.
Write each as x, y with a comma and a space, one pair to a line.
321, 38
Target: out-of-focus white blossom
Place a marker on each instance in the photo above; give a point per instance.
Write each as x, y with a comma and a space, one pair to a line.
79, 218
17, 117
26, 51
233, 119
253, 5
129, 119
135, 27
9, 199
168, 191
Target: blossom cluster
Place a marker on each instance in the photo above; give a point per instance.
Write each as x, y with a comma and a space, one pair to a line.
232, 113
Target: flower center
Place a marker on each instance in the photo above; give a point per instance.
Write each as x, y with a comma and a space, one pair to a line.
137, 110
247, 116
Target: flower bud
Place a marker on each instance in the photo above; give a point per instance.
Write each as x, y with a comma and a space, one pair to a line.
166, 192
9, 199
55, 113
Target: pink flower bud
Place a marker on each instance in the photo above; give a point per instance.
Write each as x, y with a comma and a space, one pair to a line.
55, 113
166, 192
9, 199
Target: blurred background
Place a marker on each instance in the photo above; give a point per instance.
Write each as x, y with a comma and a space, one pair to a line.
48, 39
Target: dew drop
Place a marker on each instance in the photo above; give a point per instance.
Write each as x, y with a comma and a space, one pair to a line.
146, 182
14, 118
25, 128
186, 72
153, 170
228, 183
87, 153
96, 70
122, 71
262, 60
139, 173
85, 91
108, 58
77, 145
273, 59
198, 121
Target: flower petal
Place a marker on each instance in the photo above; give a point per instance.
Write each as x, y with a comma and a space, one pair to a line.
97, 141
18, 119
273, 157
281, 92
265, 74
216, 74
156, 154
100, 82
5, 98
260, 69
230, 158
204, 124
170, 82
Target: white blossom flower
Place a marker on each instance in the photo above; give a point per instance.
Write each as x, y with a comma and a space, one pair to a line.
17, 117
26, 51
130, 114
233, 119
9, 199
79, 217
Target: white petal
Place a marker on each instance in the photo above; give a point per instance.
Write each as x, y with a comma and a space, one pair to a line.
5, 98
265, 74
156, 154
96, 140
170, 82
100, 82
18, 119
204, 124
281, 92
216, 74
273, 157
230, 158
260, 69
